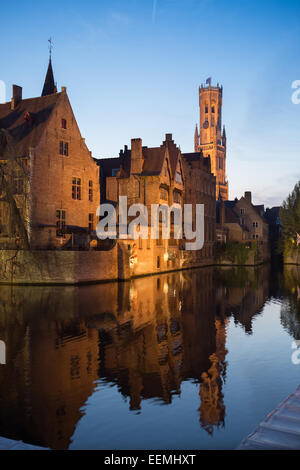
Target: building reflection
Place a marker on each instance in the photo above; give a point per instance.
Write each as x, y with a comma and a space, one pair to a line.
146, 336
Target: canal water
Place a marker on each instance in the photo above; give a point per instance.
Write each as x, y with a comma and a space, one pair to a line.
188, 360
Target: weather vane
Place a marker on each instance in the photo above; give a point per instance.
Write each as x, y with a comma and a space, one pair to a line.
50, 46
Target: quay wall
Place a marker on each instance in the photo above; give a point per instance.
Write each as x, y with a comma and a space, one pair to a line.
76, 267
55, 267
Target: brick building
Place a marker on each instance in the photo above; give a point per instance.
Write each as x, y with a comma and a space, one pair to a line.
147, 176
241, 221
50, 182
211, 139
200, 188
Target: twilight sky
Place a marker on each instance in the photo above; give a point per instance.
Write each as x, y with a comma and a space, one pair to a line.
132, 69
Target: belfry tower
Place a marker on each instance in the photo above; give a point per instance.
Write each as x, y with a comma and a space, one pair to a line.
211, 140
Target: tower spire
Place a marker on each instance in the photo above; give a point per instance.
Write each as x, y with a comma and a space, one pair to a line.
49, 85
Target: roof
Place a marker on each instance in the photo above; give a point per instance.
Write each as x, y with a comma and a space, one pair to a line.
27, 121
231, 204
230, 216
198, 157
107, 165
153, 161
260, 209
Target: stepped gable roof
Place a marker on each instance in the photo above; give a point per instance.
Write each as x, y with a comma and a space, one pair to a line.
27, 122
174, 152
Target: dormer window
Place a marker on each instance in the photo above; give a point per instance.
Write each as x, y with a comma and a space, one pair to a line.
63, 124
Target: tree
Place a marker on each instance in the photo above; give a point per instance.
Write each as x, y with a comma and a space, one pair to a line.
290, 220
17, 223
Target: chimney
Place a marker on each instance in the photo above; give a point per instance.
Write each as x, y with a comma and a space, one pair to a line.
136, 156
16, 96
248, 196
169, 137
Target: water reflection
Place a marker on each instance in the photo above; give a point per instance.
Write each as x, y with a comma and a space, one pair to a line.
146, 336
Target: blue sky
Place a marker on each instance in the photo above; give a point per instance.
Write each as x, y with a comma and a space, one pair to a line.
132, 69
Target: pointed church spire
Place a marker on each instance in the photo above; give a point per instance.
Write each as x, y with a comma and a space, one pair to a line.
49, 85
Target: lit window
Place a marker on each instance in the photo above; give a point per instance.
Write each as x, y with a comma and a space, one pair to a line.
91, 191
76, 188
60, 223
164, 194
